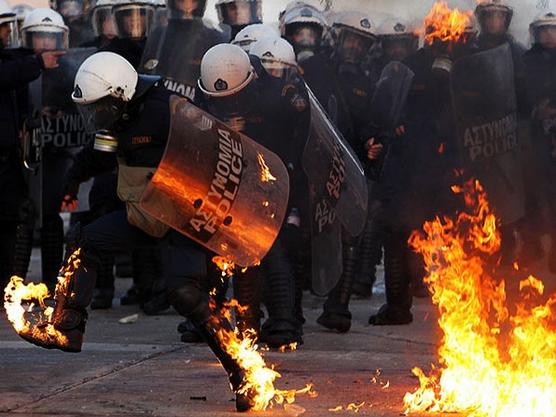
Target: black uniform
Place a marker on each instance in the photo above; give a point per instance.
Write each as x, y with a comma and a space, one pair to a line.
540, 67
276, 114
485, 42
17, 69
345, 91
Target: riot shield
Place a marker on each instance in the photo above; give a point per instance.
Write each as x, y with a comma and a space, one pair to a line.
175, 51
388, 105
55, 131
485, 109
338, 196
218, 187
390, 95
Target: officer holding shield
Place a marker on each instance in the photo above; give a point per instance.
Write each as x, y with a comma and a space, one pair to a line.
17, 69
130, 112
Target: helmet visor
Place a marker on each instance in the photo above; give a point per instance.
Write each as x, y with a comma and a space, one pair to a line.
8, 33
133, 22
304, 35
41, 41
240, 12
545, 36
353, 46
102, 114
398, 47
103, 22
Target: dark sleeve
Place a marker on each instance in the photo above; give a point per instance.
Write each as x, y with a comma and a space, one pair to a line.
20, 71
89, 163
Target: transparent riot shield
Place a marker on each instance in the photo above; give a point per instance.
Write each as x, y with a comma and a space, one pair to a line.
54, 133
175, 51
218, 187
338, 196
483, 94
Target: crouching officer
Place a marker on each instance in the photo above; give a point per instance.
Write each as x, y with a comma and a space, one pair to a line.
119, 103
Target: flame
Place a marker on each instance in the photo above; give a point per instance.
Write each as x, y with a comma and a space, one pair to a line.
17, 295
225, 265
444, 24
492, 362
266, 175
242, 347
350, 407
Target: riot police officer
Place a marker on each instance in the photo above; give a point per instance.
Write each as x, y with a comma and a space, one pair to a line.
44, 30
174, 51
103, 24
348, 101
239, 13
134, 21
540, 64
304, 26
397, 42
494, 18
127, 106
17, 69
250, 101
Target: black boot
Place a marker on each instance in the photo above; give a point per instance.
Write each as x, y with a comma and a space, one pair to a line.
247, 292
282, 328
66, 326
23, 245
189, 332
397, 309
370, 252
52, 249
191, 301
336, 314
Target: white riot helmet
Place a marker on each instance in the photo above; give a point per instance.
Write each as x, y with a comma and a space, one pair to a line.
8, 26
44, 29
252, 33
303, 26
239, 12
543, 21
104, 83
103, 20
186, 9
133, 18
276, 54
225, 71
486, 8
354, 35
397, 38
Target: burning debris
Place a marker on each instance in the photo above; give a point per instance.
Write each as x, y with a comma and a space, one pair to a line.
492, 362
26, 306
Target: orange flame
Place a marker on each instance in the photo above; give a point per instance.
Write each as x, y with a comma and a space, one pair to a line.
18, 296
225, 265
491, 362
259, 378
444, 24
